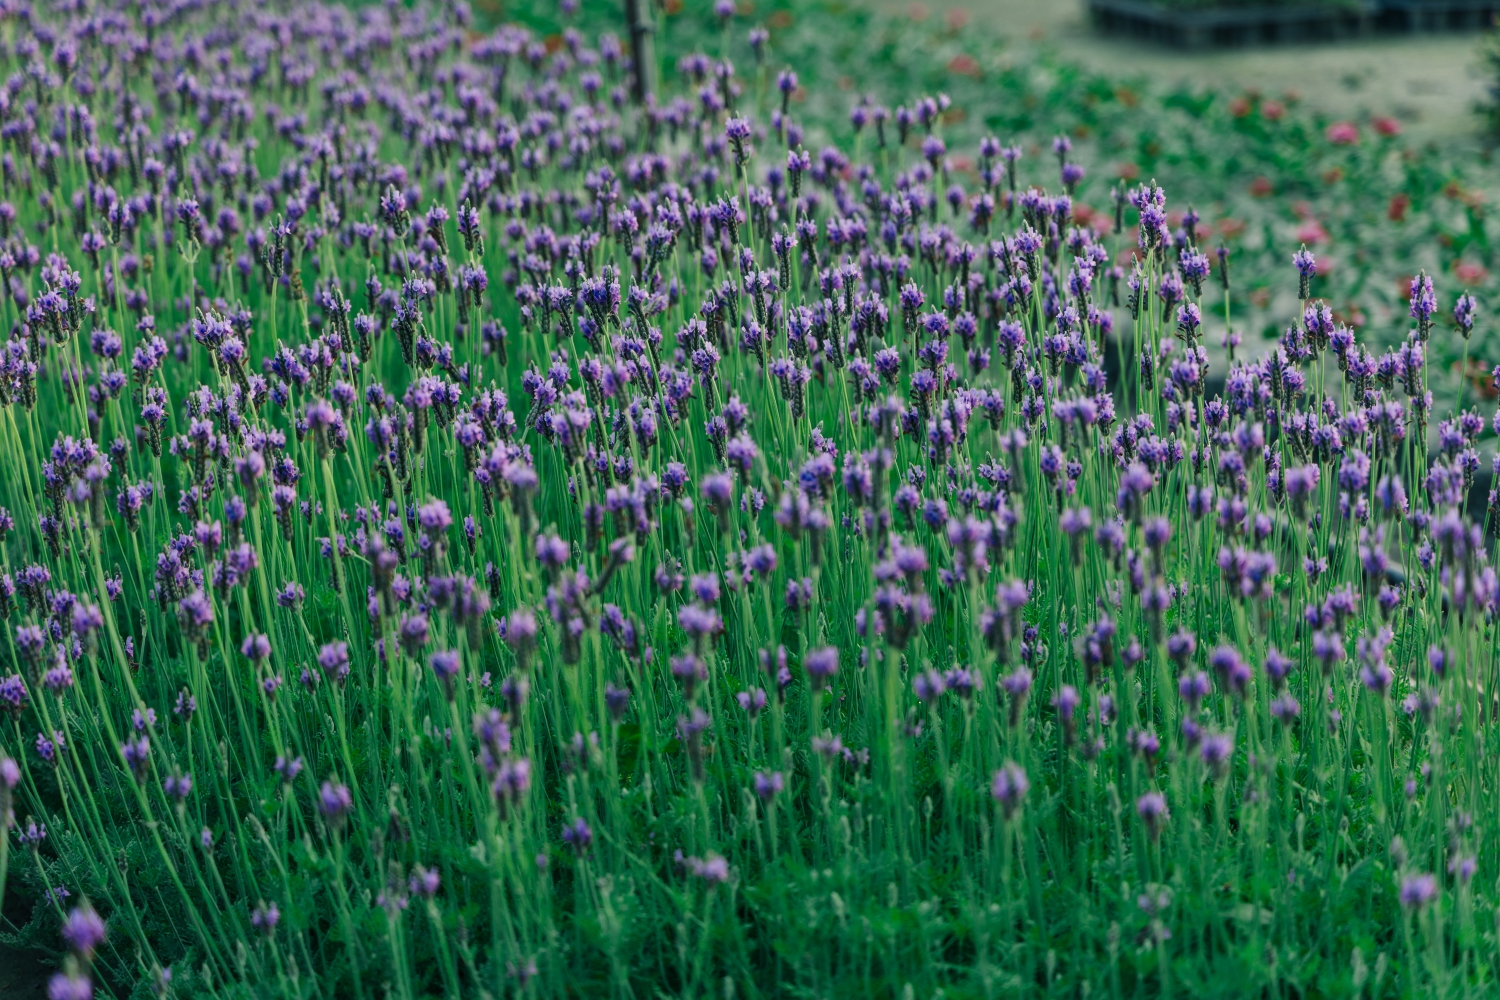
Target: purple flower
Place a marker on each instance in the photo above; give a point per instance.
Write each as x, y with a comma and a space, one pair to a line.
1277, 668
87, 618
137, 755
552, 551
705, 587
520, 630
1152, 809
1181, 645
256, 647
434, 517
701, 623
689, 670
196, 613
1009, 787
413, 633
717, 489
291, 595
1307, 266
1230, 668
768, 786
1215, 751
616, 701
512, 780
1193, 688
445, 667
962, 681
58, 679
70, 986
333, 660
578, 836
425, 881
264, 918
1464, 313
713, 869
83, 930
1418, 890
335, 802
178, 787
1423, 301
1463, 867
821, 665
1438, 660
928, 685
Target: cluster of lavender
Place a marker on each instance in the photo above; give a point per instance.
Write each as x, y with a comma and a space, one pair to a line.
468, 532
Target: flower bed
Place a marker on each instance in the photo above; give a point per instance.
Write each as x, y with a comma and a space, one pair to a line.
469, 534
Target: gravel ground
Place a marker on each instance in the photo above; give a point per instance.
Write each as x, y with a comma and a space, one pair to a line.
1430, 82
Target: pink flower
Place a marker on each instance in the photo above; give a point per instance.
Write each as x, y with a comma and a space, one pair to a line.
1312, 232
1470, 273
1386, 125
1343, 133
963, 64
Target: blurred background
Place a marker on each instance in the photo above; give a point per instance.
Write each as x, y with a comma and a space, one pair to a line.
1363, 130
1430, 78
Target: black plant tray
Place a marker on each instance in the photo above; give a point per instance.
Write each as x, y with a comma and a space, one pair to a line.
1224, 27
1438, 15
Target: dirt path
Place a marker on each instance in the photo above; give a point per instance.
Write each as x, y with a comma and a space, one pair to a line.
1431, 82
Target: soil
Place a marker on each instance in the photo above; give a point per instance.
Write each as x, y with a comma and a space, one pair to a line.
22, 975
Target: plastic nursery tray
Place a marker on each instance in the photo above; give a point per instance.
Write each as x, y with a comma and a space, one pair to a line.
1234, 26
1438, 15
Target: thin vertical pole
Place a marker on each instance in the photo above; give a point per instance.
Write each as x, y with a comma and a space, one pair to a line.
640, 49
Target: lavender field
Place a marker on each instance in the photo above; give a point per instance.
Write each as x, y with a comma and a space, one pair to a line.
469, 531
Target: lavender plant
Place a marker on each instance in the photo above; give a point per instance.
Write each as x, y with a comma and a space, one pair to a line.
467, 534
